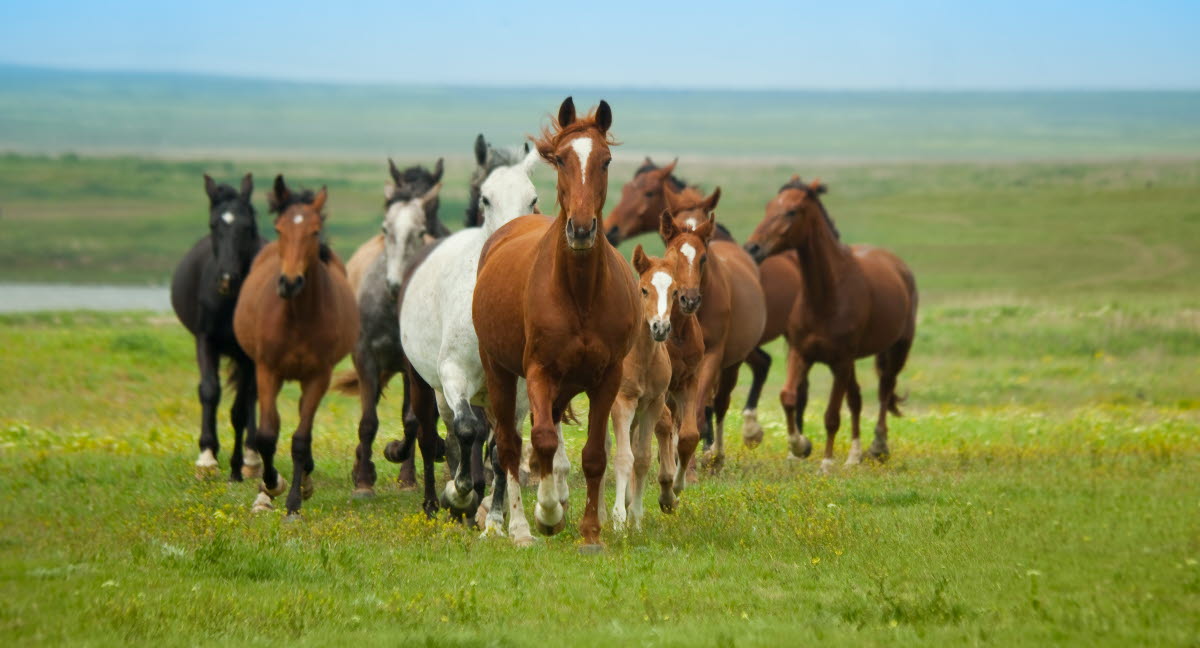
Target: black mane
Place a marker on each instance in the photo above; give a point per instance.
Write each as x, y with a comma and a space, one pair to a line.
815, 194
676, 183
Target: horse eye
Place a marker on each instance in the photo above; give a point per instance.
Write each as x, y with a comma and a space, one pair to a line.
606, 163
650, 194
558, 161
484, 201
645, 292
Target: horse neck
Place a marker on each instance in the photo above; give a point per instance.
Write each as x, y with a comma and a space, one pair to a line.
682, 328
311, 299
820, 255
643, 343
579, 273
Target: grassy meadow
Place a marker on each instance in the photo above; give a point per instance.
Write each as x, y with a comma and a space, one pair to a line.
1043, 483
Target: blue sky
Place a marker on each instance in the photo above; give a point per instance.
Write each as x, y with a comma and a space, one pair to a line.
920, 44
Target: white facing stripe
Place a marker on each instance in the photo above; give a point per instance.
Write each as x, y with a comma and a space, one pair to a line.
689, 252
662, 281
583, 148
298, 219
227, 217
691, 223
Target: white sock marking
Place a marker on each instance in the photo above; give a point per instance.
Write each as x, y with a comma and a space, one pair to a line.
583, 148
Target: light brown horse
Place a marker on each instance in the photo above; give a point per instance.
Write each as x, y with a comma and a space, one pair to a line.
643, 200
296, 318
557, 305
641, 401
858, 301
720, 284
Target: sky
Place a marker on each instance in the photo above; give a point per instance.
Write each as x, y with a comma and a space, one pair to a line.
918, 44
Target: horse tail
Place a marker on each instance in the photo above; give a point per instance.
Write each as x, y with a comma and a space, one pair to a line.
894, 404
347, 382
233, 376
569, 416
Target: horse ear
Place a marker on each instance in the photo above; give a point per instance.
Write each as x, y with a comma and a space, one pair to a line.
432, 194
530, 159
526, 148
604, 116
480, 150
389, 191
396, 176
669, 169
247, 186
210, 186
673, 205
818, 187
566, 113
438, 168
666, 227
279, 195
318, 203
640, 262
711, 203
708, 228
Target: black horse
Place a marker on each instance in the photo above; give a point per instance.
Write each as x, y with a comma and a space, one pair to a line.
204, 292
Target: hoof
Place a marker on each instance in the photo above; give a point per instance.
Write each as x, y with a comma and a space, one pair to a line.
799, 446
251, 464
206, 472
667, 501
306, 487
827, 466
262, 504
252, 472
591, 549
752, 432
396, 452
690, 475
406, 485
853, 459
280, 487
879, 453
293, 518
363, 492
481, 514
553, 530
524, 541
712, 461
431, 508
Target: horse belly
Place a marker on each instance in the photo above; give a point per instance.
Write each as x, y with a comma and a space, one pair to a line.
748, 315
781, 284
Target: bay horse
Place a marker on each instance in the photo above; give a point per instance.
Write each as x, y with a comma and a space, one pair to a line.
858, 301
487, 159
556, 304
438, 334
296, 318
413, 182
378, 355
204, 291
639, 412
643, 200
719, 282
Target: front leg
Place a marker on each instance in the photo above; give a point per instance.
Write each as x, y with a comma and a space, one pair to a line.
267, 437
542, 388
502, 405
312, 391
209, 392
683, 410
623, 409
600, 401
706, 381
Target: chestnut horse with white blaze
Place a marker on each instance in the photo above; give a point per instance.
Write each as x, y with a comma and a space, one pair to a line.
296, 318
643, 200
858, 301
556, 304
719, 282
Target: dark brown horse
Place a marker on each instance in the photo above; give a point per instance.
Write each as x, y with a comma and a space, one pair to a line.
557, 305
643, 200
858, 301
718, 282
296, 318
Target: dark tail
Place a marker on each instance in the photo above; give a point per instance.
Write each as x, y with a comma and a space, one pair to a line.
347, 382
894, 404
233, 376
569, 416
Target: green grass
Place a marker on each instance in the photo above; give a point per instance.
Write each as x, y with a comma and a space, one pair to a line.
1042, 488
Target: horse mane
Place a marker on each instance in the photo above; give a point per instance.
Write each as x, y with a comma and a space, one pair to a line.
554, 133
815, 195
295, 197
678, 184
417, 180
225, 193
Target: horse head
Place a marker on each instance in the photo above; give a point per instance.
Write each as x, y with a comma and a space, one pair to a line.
299, 229
508, 193
405, 226
234, 230
578, 147
789, 220
686, 228
660, 291
641, 202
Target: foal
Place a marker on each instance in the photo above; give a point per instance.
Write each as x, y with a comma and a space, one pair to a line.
296, 318
719, 283
858, 301
556, 304
204, 291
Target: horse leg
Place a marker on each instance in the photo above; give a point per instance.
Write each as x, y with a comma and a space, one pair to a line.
424, 407
544, 439
407, 479
600, 402
725, 385
708, 374
664, 429
794, 398
760, 365
888, 364
689, 434
208, 358
370, 387
245, 421
854, 401
502, 397
237, 420
468, 431
624, 408
267, 437
647, 424
833, 414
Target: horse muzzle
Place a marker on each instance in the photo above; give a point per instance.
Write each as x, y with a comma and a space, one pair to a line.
289, 286
689, 304
225, 284
660, 329
581, 239
614, 235
756, 252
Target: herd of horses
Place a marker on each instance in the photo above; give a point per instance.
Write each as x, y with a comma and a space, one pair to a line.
519, 312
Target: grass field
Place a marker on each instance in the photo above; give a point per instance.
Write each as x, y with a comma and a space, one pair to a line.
1042, 487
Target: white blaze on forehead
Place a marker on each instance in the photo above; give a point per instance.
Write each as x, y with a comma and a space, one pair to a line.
691, 223
662, 283
583, 148
227, 217
298, 219
689, 252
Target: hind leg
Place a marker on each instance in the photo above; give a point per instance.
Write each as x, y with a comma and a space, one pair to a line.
424, 406
241, 417
833, 416
888, 364
760, 365
727, 380
664, 429
370, 386
854, 401
624, 409
502, 399
794, 398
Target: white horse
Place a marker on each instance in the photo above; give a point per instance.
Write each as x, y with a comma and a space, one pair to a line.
437, 332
